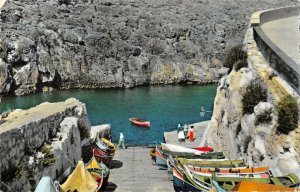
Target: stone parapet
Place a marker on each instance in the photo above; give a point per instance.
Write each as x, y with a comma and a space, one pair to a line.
24, 133
277, 58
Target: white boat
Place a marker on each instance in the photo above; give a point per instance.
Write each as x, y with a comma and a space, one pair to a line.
179, 149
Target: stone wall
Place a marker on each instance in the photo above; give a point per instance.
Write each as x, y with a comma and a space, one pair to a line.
23, 134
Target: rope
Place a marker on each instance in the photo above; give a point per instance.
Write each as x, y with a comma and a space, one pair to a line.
7, 186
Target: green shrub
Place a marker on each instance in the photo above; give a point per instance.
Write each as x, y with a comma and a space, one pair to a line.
263, 118
288, 114
240, 64
234, 55
83, 130
49, 158
253, 95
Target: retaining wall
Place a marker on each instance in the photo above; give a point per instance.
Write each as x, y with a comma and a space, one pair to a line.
278, 59
52, 124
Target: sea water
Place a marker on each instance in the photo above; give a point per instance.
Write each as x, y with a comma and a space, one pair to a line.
164, 106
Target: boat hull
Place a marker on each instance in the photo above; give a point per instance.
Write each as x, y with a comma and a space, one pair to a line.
178, 181
136, 122
160, 160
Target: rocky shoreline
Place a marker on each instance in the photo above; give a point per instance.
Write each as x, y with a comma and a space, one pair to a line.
61, 44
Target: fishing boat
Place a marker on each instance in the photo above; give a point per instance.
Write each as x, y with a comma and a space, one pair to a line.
179, 151
204, 183
80, 180
99, 171
162, 153
211, 162
261, 172
177, 171
249, 186
204, 149
222, 171
140, 122
46, 185
103, 150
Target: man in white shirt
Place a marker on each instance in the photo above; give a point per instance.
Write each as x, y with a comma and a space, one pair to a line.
121, 141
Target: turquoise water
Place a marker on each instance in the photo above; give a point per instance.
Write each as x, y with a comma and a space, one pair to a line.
165, 106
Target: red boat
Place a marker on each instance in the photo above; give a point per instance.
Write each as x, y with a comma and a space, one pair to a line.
140, 122
204, 149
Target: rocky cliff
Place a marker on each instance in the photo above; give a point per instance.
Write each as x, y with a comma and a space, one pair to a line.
65, 44
255, 136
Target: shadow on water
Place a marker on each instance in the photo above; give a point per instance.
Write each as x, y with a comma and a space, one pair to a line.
110, 187
116, 164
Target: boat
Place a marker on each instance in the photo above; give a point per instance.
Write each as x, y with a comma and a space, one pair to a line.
162, 153
204, 149
211, 162
176, 170
226, 171
204, 183
249, 186
140, 122
160, 157
80, 180
103, 150
179, 151
249, 172
46, 185
99, 171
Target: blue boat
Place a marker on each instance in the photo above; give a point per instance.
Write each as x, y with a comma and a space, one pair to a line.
45, 185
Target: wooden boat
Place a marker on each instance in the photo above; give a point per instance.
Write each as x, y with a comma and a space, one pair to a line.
80, 180
162, 155
238, 170
176, 169
204, 183
46, 185
204, 149
249, 186
179, 151
103, 150
210, 163
250, 172
140, 122
99, 171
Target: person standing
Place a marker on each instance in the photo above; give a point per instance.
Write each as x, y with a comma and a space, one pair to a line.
121, 140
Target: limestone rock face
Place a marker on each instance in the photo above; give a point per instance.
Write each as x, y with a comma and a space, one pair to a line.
243, 136
3, 75
59, 44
